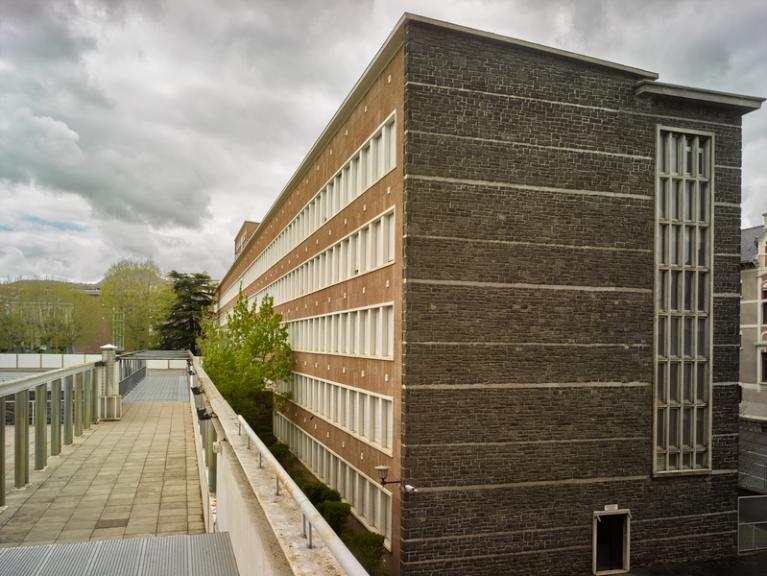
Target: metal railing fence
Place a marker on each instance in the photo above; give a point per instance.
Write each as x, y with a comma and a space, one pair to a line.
311, 519
66, 399
70, 409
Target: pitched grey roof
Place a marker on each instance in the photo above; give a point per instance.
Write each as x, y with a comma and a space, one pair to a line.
748, 239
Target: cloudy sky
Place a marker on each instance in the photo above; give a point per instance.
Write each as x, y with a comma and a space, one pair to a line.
150, 128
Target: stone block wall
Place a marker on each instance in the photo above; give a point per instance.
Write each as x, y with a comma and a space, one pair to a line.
528, 314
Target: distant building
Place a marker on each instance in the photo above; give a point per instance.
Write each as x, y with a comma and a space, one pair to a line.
509, 274
51, 316
753, 310
753, 358
246, 231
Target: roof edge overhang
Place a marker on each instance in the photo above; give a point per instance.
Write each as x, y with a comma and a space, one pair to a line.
394, 41
381, 59
408, 17
739, 102
244, 224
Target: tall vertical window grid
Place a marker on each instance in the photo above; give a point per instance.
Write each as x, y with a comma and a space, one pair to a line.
684, 300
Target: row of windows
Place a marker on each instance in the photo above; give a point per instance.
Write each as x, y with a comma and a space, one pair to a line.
369, 501
683, 305
366, 332
364, 250
362, 413
370, 163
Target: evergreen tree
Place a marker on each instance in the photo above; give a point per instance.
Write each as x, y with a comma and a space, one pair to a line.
193, 296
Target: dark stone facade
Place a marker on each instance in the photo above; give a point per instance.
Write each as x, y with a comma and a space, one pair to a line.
528, 314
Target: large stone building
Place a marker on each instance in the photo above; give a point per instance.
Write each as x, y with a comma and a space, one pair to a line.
510, 275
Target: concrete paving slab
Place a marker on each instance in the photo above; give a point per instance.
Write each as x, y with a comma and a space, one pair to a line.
133, 477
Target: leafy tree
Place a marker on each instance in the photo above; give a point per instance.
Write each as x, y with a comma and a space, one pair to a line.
251, 352
135, 296
193, 295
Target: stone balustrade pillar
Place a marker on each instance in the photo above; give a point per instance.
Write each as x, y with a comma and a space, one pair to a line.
110, 401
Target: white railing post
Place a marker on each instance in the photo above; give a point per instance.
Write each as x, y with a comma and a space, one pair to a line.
41, 426
21, 437
2, 452
56, 417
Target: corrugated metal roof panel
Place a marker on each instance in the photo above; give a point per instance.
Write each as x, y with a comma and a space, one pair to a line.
198, 555
118, 558
69, 559
23, 561
212, 555
167, 556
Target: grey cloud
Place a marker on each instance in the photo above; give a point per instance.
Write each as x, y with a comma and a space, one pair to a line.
166, 123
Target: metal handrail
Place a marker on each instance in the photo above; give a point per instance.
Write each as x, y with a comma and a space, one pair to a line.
334, 543
10, 387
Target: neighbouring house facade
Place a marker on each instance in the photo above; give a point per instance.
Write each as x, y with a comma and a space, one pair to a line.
510, 275
753, 359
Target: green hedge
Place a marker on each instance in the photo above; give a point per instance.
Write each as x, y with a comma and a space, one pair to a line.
368, 548
335, 513
317, 492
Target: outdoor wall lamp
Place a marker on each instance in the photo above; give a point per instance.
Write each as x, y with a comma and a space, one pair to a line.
383, 472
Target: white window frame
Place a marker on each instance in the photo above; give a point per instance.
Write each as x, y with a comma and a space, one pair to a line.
357, 488
626, 541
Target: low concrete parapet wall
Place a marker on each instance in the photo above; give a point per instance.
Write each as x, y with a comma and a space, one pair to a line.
34, 362
273, 528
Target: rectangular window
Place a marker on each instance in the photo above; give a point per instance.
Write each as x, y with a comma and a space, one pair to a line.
390, 237
682, 301
392, 140
341, 404
370, 501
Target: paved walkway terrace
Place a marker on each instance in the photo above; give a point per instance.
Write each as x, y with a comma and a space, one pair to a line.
136, 477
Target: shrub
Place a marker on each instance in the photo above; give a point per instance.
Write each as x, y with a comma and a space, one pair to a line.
335, 513
249, 353
317, 492
368, 548
279, 450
